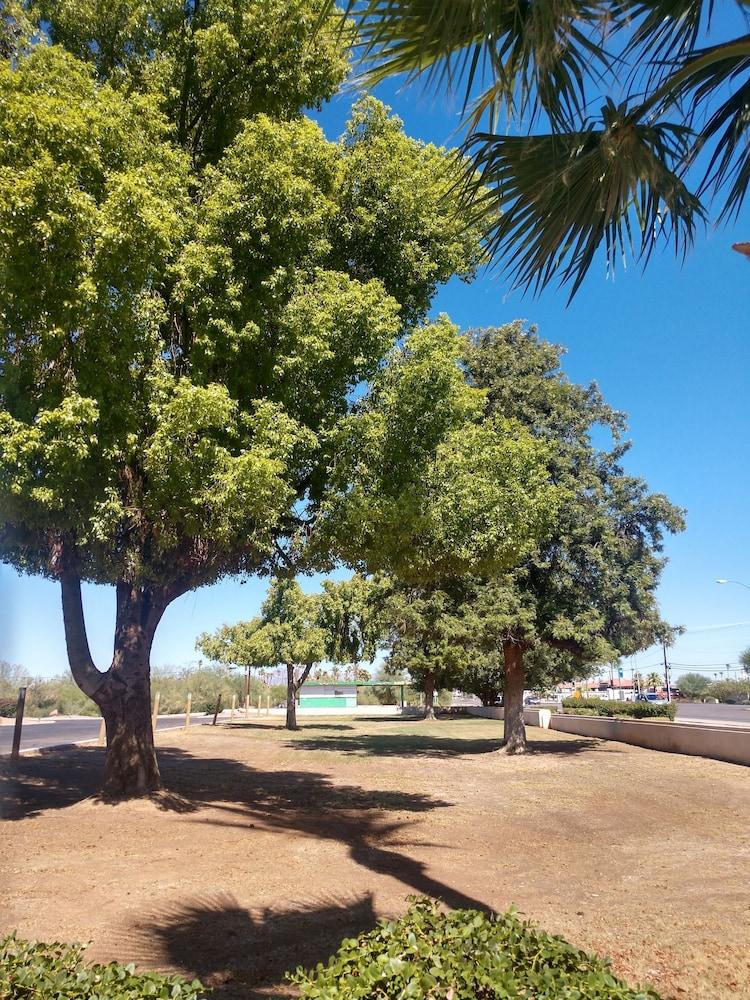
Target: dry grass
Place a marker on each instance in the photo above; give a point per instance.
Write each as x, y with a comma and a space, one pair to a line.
266, 848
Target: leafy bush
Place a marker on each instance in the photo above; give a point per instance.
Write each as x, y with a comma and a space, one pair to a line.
728, 690
30, 970
692, 685
463, 955
7, 708
619, 709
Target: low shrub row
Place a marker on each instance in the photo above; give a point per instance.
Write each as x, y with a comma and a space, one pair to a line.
619, 709
426, 955
464, 955
30, 970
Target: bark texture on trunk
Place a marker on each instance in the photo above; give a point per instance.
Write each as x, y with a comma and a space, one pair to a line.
292, 687
123, 693
291, 698
429, 696
514, 738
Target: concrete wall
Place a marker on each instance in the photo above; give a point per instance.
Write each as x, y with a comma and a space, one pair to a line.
732, 745
531, 716
716, 742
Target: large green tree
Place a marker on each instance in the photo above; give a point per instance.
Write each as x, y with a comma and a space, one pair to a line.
193, 282
588, 590
593, 125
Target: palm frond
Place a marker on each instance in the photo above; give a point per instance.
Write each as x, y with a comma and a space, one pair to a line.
699, 82
552, 201
521, 53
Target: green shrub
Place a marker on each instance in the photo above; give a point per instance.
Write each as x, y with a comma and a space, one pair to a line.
29, 971
619, 709
464, 955
736, 691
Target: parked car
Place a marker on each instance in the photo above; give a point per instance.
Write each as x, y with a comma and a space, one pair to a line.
652, 697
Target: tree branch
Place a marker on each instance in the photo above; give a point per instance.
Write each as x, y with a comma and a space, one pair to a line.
82, 666
303, 676
564, 645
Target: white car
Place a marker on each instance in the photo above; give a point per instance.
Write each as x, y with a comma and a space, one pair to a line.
652, 697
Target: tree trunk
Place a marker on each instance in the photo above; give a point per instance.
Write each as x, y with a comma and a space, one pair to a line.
514, 738
429, 696
123, 693
291, 698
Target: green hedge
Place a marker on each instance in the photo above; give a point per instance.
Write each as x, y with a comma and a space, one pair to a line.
30, 971
464, 955
623, 709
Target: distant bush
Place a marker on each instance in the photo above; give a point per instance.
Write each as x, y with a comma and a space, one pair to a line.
692, 685
728, 690
464, 955
7, 707
623, 709
29, 971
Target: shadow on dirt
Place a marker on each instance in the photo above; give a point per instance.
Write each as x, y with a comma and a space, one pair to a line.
239, 953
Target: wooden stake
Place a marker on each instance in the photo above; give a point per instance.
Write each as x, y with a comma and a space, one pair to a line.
259, 700
268, 704
155, 716
102, 733
247, 705
20, 705
187, 713
234, 704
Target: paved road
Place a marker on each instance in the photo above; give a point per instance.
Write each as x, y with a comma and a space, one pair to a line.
717, 714
58, 732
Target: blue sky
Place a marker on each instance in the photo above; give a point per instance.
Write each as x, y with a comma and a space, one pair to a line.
669, 346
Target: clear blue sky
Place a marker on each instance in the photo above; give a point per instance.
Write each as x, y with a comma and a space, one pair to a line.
669, 346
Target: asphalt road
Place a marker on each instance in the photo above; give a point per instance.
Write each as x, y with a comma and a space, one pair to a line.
717, 714
58, 732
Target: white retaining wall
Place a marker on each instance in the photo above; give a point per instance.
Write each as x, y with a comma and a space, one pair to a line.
718, 743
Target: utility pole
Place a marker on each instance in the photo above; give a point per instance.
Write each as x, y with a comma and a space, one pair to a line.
666, 672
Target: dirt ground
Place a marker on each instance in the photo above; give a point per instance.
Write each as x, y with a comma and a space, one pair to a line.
267, 848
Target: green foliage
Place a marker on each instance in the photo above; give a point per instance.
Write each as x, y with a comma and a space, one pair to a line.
237, 306
422, 486
210, 65
588, 589
617, 709
692, 685
729, 690
465, 955
30, 970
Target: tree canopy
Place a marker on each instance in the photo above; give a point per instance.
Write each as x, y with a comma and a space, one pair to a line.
424, 487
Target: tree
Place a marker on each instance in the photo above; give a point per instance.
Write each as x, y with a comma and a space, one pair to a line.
193, 285
693, 685
421, 640
620, 177
426, 488
588, 589
745, 661
299, 630
654, 680
236, 646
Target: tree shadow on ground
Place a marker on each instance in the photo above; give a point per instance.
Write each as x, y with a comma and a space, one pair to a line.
432, 745
244, 954
268, 728
49, 780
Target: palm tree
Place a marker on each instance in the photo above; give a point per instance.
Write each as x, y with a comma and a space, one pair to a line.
584, 171
654, 680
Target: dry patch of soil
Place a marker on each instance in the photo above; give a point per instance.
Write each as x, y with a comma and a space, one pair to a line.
267, 848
